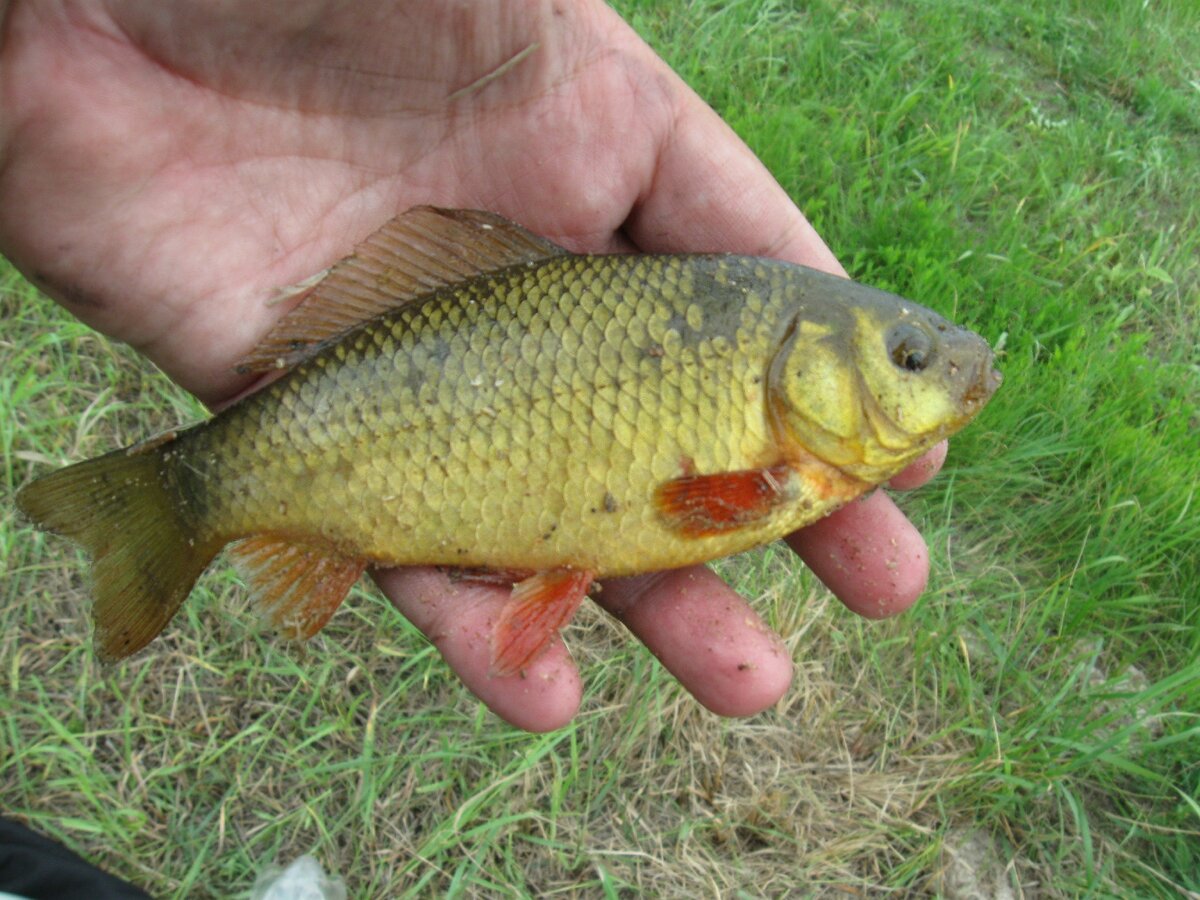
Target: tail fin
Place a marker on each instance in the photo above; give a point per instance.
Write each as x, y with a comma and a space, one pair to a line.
123, 511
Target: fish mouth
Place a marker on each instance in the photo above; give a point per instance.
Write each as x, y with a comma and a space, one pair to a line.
981, 387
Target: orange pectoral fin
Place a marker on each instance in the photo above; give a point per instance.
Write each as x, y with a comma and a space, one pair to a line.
704, 505
295, 586
539, 606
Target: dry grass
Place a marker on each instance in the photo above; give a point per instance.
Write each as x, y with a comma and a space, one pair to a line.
215, 752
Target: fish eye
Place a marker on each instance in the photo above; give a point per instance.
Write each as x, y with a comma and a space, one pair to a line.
910, 347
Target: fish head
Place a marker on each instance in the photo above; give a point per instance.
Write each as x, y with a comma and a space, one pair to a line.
870, 382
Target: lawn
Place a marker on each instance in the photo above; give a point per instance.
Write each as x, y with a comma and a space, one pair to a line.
1030, 169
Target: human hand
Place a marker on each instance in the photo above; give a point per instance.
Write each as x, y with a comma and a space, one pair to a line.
165, 168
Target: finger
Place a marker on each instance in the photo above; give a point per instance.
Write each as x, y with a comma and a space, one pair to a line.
921, 471
705, 635
868, 554
709, 192
458, 618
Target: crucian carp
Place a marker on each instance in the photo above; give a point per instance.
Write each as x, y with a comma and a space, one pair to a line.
462, 393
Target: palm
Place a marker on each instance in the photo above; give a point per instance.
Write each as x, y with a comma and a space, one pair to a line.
229, 164
165, 169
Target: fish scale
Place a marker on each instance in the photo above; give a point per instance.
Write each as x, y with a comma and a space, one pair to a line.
610, 413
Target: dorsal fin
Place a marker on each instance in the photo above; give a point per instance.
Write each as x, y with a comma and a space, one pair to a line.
415, 253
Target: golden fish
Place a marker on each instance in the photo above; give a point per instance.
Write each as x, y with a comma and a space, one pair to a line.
463, 393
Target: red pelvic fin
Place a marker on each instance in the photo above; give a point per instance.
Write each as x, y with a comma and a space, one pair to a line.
296, 586
539, 606
704, 505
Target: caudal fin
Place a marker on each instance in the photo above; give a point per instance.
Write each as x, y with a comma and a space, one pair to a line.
145, 558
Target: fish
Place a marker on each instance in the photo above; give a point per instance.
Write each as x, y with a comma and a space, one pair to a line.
460, 392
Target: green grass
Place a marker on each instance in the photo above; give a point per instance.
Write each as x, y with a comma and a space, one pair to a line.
1033, 170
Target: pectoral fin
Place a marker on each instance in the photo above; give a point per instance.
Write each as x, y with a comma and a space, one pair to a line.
539, 606
704, 505
296, 586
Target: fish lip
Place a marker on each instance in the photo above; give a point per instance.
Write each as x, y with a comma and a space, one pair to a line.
981, 387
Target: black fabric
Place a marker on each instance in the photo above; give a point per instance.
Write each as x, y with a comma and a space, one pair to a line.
35, 867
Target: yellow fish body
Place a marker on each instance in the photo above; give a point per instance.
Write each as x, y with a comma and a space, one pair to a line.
463, 393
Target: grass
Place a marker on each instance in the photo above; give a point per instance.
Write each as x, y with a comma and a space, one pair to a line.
1033, 170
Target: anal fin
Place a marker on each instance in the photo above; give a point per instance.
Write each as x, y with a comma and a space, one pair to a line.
539, 606
704, 505
295, 585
